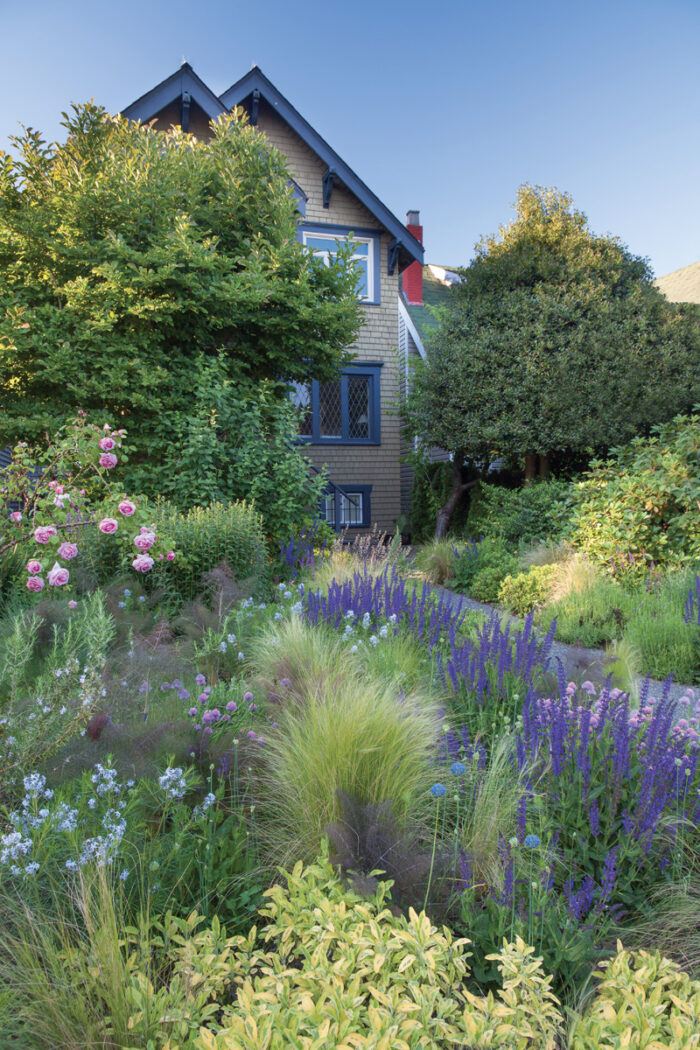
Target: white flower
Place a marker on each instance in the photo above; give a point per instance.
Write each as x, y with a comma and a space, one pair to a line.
383, 631
222, 647
231, 639
353, 648
297, 608
241, 656
279, 616
374, 640
173, 783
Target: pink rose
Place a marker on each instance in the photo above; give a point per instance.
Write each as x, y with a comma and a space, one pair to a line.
53, 484
127, 508
106, 427
160, 557
34, 566
108, 459
16, 516
170, 555
35, 583
72, 604
67, 551
108, 526
142, 563
106, 444
58, 576
145, 540
44, 533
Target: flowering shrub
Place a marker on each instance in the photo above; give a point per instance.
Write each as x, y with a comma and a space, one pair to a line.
57, 489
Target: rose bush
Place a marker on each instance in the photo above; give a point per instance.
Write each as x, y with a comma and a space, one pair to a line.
63, 489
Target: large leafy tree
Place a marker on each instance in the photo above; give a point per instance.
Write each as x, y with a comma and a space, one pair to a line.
127, 256
556, 340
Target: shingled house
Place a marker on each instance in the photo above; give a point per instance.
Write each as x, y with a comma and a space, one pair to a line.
350, 425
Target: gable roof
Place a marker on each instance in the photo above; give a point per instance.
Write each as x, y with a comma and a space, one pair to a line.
186, 81
681, 286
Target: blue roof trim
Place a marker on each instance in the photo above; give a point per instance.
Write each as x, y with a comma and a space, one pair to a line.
184, 80
256, 80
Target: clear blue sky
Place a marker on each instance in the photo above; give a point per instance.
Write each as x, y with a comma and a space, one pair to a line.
444, 107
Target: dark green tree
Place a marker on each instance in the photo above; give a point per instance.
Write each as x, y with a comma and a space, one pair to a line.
128, 255
556, 340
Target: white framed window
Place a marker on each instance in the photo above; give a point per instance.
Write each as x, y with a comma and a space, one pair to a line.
325, 246
351, 505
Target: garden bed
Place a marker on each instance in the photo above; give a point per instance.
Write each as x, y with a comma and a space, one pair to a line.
420, 774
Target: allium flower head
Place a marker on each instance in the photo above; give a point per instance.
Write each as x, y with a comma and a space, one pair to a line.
438, 790
531, 841
458, 769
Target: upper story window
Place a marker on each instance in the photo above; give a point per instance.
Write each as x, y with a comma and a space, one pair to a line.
324, 242
344, 411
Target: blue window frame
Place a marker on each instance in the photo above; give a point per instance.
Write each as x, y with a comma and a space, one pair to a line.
347, 506
323, 241
344, 411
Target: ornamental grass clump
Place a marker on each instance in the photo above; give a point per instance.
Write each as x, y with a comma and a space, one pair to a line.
342, 731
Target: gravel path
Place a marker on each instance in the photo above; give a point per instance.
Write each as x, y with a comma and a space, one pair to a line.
578, 662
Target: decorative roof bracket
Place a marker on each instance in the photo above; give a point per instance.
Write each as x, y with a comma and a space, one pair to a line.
328, 187
393, 257
185, 111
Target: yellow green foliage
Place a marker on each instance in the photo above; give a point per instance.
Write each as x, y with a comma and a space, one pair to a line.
644, 1002
332, 969
526, 590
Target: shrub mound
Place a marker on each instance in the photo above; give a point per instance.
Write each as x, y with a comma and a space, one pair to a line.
641, 505
334, 969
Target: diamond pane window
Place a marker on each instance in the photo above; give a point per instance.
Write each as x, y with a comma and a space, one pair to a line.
330, 410
358, 407
345, 411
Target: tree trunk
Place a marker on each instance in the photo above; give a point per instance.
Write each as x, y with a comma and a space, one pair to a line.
458, 489
530, 467
544, 465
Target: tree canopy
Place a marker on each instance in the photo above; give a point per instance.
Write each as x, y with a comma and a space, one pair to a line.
128, 255
556, 339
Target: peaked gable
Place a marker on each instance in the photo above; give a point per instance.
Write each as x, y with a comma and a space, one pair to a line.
184, 85
255, 85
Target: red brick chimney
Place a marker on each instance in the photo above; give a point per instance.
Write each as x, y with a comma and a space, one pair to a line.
413, 274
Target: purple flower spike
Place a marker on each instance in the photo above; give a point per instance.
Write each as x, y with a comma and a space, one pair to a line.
192, 712
251, 734
248, 697
200, 680
232, 705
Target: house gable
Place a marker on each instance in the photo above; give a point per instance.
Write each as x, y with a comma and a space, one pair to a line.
254, 87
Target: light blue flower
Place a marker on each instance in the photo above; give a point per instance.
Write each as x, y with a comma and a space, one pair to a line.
438, 790
142, 599
531, 841
458, 769
127, 592
122, 605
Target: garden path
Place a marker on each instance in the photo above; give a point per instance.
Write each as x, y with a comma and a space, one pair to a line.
577, 661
